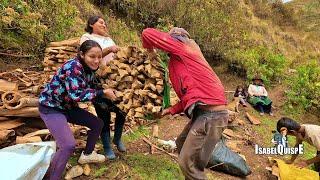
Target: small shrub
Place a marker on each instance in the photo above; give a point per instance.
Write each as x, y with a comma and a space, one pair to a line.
262, 61
304, 92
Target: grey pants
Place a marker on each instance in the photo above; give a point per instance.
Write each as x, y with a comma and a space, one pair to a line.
197, 141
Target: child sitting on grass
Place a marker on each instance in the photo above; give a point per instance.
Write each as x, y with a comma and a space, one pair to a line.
241, 93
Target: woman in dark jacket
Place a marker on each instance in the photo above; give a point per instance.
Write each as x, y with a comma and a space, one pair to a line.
97, 31
72, 83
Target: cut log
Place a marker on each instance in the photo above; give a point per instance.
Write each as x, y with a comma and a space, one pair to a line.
134, 72
138, 115
139, 109
141, 92
10, 97
128, 79
22, 140
229, 133
156, 109
136, 84
4, 119
152, 95
252, 119
141, 77
159, 88
86, 170
136, 103
155, 131
159, 81
37, 133
140, 68
113, 76
1, 103
32, 89
23, 102
78, 130
23, 112
70, 42
158, 101
8, 86
74, 172
5, 135
149, 106
11, 124
122, 73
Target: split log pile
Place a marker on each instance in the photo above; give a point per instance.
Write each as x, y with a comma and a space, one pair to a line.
136, 75
19, 91
138, 78
59, 52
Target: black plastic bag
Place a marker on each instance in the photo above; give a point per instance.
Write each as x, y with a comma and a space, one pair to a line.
227, 161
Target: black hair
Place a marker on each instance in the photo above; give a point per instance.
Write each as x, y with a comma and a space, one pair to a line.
91, 21
288, 123
86, 46
236, 93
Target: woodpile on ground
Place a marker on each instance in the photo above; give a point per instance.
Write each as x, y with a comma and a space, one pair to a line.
19, 91
138, 78
59, 52
135, 74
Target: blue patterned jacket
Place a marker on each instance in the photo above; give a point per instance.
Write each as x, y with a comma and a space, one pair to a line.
71, 83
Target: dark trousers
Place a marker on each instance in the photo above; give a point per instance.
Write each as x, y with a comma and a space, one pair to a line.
103, 111
196, 142
57, 123
263, 108
317, 164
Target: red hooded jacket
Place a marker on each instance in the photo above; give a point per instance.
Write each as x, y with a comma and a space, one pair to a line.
191, 76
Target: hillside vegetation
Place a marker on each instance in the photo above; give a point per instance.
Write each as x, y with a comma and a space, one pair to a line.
278, 41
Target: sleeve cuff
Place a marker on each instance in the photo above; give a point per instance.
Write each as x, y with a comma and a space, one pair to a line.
100, 93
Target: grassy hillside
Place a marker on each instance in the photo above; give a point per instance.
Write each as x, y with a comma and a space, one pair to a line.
278, 41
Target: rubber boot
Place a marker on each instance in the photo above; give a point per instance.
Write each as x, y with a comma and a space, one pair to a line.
105, 138
119, 123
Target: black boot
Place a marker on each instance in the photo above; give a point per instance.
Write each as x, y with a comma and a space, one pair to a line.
119, 123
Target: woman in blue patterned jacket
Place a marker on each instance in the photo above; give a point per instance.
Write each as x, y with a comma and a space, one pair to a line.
73, 83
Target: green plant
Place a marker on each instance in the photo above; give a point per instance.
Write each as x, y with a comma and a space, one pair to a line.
20, 26
304, 87
260, 60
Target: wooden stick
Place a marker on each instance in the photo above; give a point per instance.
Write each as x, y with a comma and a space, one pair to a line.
37, 133
4, 119
15, 55
215, 165
152, 145
10, 124
23, 112
252, 119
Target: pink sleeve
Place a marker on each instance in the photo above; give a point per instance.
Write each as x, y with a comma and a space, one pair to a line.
152, 38
177, 108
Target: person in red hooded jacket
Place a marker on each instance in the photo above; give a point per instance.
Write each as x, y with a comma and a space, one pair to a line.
201, 95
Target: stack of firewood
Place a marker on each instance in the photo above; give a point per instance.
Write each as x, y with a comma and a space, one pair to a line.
19, 90
138, 78
135, 74
59, 52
